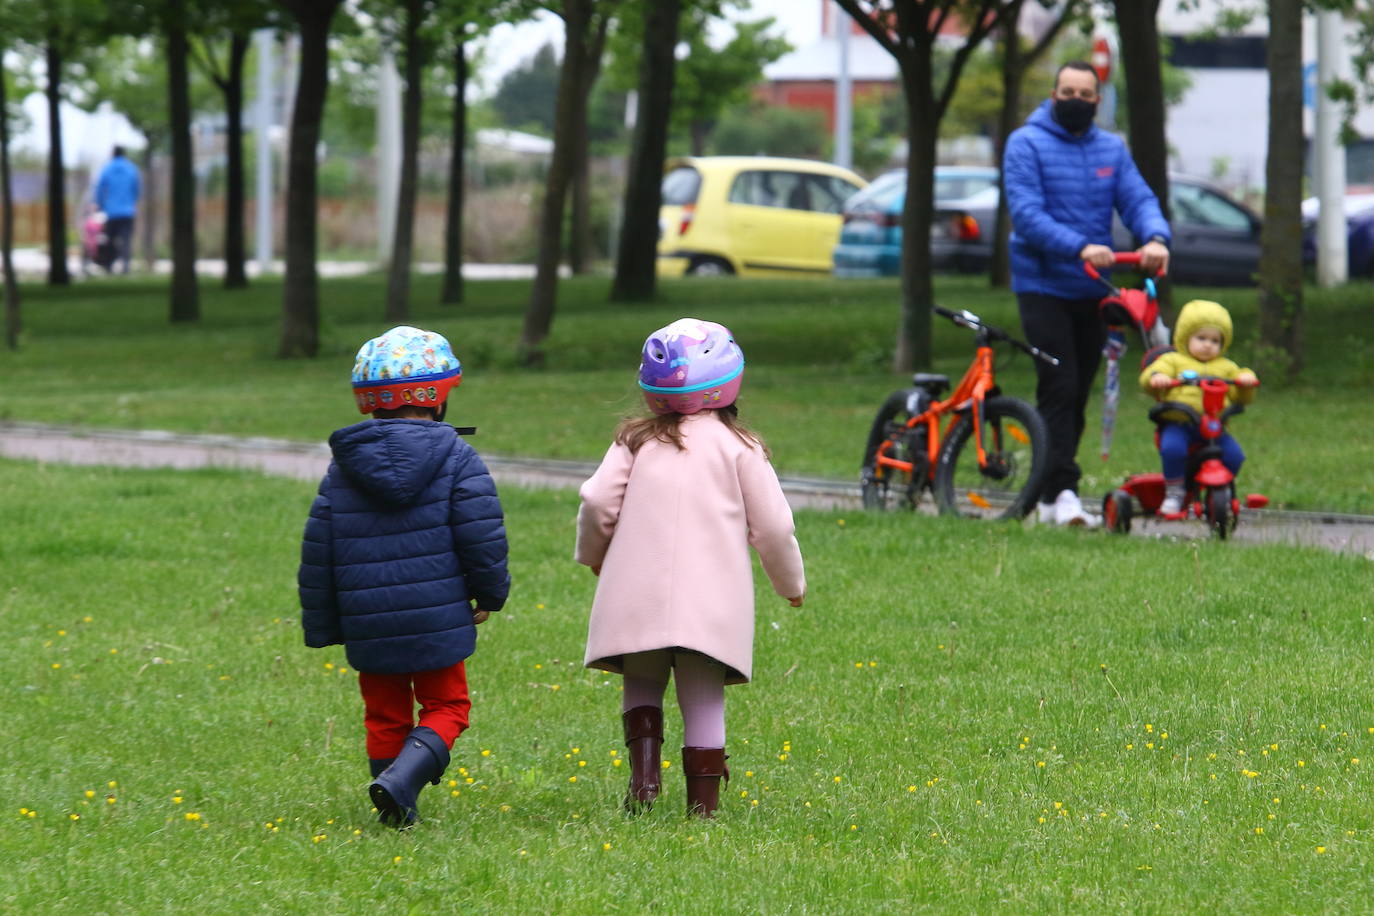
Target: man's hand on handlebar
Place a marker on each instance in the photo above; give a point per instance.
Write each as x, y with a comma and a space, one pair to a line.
1154, 258
1101, 256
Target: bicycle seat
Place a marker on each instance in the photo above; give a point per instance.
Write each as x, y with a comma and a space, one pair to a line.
1174, 412
930, 382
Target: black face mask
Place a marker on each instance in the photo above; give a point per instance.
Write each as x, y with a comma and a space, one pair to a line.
1074, 115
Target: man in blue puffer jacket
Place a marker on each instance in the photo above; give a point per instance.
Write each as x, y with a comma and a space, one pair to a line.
116, 192
404, 554
1063, 178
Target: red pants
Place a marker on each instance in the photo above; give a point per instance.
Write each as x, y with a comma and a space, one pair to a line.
389, 703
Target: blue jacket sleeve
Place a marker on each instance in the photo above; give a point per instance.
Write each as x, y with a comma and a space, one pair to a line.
479, 533
1137, 204
315, 579
1026, 202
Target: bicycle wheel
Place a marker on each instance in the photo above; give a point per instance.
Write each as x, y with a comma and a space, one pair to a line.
1016, 443
886, 487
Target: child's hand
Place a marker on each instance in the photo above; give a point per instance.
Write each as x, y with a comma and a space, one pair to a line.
1246, 379
1160, 380
480, 616
797, 601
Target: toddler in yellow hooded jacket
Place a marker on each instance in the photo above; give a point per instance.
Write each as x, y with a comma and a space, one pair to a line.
1202, 335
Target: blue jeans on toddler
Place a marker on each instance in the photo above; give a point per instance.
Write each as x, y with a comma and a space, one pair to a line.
1175, 439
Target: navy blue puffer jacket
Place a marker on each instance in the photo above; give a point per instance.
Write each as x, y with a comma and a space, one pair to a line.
405, 534
1061, 190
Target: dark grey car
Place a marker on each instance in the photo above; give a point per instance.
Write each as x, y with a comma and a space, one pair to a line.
1216, 239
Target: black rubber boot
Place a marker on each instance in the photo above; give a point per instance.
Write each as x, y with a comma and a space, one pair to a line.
396, 790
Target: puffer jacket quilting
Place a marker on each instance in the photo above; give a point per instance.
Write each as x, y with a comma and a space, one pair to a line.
405, 534
1061, 190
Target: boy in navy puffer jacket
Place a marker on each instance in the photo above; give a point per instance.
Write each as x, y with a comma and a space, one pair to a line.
404, 554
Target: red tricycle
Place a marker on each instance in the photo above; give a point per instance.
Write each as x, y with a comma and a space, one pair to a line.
1209, 483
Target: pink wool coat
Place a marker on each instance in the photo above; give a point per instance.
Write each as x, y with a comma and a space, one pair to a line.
671, 531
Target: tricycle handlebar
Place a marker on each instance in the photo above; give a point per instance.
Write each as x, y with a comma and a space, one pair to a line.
1122, 257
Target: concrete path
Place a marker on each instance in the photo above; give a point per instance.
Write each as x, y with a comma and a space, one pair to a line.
152, 448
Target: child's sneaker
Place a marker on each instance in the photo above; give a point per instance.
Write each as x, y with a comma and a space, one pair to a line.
1173, 499
1067, 509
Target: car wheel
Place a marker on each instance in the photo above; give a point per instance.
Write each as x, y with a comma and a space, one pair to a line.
709, 267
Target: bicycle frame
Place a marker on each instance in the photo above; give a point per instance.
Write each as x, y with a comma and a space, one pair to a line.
972, 390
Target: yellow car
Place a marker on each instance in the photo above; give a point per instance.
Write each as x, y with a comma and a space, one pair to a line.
750, 215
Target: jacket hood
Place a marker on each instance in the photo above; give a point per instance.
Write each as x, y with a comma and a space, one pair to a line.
393, 460
1202, 313
1043, 118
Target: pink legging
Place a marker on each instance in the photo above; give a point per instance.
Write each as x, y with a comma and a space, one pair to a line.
700, 691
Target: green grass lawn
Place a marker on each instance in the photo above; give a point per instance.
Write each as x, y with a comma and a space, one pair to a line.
962, 718
102, 353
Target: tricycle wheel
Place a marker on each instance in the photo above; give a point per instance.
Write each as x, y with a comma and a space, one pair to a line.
1218, 509
1117, 509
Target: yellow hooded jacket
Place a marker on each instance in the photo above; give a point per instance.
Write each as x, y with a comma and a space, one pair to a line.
1197, 314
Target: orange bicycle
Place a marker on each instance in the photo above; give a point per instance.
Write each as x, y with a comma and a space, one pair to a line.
990, 460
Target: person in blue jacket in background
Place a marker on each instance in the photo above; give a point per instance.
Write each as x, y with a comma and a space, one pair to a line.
404, 554
116, 193
1063, 178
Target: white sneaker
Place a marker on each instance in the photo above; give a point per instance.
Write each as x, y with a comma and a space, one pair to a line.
1068, 510
1173, 501
1045, 513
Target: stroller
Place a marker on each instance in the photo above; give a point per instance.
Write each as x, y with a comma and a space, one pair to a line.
96, 245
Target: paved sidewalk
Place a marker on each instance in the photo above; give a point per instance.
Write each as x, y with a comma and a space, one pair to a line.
305, 461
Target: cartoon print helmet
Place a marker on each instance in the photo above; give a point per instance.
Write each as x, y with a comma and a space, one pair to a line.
405, 366
690, 365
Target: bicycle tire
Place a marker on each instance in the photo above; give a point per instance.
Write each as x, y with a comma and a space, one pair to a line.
1017, 443
879, 491
1217, 507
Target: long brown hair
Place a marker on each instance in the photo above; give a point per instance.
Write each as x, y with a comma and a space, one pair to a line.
633, 432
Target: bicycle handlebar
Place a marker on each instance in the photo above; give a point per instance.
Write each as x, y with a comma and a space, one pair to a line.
1189, 377
965, 318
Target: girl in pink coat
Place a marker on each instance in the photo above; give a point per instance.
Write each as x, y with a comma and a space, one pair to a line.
669, 517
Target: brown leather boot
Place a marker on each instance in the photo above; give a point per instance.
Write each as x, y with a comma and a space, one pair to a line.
703, 767
644, 739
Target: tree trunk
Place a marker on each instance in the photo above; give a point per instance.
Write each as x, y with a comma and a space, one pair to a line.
150, 206
185, 293
700, 131
1008, 119
913, 348
301, 292
1280, 270
569, 110
13, 324
403, 241
579, 234
452, 291
235, 275
1139, 38
636, 264
58, 275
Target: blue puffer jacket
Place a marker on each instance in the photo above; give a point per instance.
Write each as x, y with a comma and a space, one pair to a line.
1061, 191
406, 531
117, 189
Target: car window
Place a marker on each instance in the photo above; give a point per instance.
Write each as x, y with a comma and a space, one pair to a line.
1196, 206
955, 187
828, 192
680, 186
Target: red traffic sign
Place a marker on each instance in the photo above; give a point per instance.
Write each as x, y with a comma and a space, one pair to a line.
1102, 59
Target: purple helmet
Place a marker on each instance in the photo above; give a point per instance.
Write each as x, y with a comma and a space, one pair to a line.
690, 365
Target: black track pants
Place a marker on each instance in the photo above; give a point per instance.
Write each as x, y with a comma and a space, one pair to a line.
1071, 330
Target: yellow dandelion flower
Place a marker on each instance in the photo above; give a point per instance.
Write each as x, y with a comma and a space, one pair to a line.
468, 779
75, 817
486, 752
1275, 800
754, 802
743, 793
853, 826
667, 764
749, 774
1040, 819
605, 847
1129, 746
1355, 760
539, 607
554, 687
1302, 763
1259, 831
114, 651
1040, 764
858, 664
177, 799
1149, 727
90, 793
192, 816
840, 522
317, 838
572, 779
397, 860
61, 632
538, 667
581, 763
452, 783
615, 762
329, 666
454, 793
109, 799
1321, 850
911, 788
838, 778
88, 618
56, 665
782, 756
